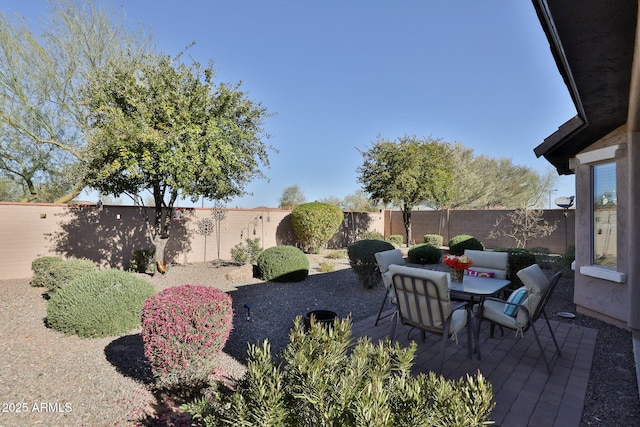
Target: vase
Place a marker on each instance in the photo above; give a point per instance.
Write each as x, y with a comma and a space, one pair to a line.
456, 275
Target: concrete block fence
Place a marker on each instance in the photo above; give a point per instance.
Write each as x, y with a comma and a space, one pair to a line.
108, 235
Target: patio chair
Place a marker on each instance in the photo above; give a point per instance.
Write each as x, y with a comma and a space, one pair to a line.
384, 259
424, 303
492, 264
524, 307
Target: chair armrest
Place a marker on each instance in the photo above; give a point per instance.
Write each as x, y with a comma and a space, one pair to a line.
523, 307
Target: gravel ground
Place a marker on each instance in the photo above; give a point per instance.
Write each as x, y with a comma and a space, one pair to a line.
49, 379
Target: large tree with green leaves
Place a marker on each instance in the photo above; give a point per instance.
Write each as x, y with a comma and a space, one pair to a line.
164, 126
41, 113
408, 172
482, 182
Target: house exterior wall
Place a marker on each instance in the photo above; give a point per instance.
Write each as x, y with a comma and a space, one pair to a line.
594, 295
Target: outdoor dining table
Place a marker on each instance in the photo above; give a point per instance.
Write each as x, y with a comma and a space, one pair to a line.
474, 289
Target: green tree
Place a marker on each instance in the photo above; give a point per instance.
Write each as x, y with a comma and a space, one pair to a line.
407, 173
41, 113
163, 126
291, 197
482, 182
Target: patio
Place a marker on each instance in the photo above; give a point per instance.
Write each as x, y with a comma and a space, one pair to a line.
525, 394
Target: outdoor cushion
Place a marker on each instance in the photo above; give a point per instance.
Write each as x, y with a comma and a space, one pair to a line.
489, 262
489, 274
516, 297
386, 258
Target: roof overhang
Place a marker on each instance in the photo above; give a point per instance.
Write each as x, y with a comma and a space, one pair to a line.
592, 42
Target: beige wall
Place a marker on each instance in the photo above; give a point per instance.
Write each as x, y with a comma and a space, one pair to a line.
108, 237
479, 223
598, 297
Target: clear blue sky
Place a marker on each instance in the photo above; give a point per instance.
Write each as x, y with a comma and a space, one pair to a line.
336, 74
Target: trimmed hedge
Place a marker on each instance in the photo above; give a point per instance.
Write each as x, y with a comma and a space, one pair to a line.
282, 264
424, 254
184, 329
42, 270
62, 273
363, 261
434, 240
315, 224
99, 304
458, 244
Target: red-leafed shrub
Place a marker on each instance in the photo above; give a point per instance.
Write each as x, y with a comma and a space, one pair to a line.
184, 329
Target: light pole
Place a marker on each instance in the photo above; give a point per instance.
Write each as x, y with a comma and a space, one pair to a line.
550, 192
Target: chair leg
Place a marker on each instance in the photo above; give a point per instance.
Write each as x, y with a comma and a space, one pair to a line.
552, 334
469, 339
384, 301
394, 321
544, 356
443, 347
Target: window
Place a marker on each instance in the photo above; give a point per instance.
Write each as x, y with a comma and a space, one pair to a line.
605, 205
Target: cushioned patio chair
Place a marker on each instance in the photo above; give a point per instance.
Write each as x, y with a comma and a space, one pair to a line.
524, 307
423, 303
384, 259
488, 263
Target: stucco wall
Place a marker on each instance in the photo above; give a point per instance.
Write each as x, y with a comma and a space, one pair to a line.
605, 299
109, 236
479, 223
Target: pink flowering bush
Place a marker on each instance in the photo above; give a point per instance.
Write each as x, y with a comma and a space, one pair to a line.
184, 329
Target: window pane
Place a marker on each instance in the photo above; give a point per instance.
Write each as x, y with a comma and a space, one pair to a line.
605, 215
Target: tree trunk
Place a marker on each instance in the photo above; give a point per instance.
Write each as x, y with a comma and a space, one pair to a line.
406, 217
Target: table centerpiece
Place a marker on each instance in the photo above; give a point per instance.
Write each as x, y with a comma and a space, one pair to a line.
457, 265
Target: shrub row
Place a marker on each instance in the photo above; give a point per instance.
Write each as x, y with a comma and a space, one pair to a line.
324, 381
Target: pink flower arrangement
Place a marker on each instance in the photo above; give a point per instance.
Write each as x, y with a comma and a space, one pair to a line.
184, 329
457, 262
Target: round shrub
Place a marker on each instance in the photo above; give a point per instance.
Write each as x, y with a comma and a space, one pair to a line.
62, 273
424, 254
283, 264
184, 329
460, 243
434, 240
99, 304
518, 259
396, 240
315, 224
42, 269
363, 261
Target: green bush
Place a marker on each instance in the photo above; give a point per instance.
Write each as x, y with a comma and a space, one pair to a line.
247, 253
283, 264
42, 270
518, 259
371, 235
143, 261
564, 263
434, 240
64, 272
324, 380
99, 304
458, 244
184, 329
396, 240
315, 224
363, 261
424, 254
